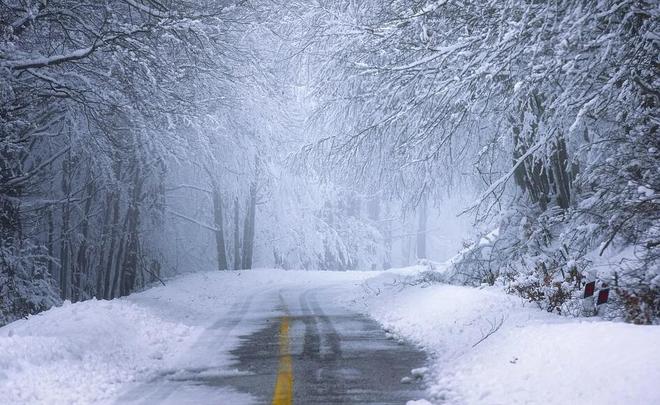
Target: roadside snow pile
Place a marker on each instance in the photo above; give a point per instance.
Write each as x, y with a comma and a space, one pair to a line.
82, 352
489, 347
89, 351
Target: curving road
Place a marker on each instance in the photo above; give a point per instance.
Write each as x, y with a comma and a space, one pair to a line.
303, 349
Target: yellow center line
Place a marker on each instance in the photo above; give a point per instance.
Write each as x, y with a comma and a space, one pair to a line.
283, 394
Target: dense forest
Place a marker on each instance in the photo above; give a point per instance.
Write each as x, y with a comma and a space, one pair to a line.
140, 139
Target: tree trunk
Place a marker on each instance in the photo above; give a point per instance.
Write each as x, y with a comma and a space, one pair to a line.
219, 232
248, 231
65, 242
81, 267
131, 261
543, 180
114, 237
421, 230
563, 177
102, 265
119, 260
387, 262
237, 237
50, 242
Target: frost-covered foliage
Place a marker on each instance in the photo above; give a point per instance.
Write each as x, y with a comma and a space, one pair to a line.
551, 109
25, 285
355, 241
320, 227
140, 138
597, 195
94, 98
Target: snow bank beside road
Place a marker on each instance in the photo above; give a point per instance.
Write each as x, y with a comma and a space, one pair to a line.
532, 358
89, 351
81, 353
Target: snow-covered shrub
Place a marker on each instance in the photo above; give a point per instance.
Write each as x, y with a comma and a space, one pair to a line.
621, 208
524, 256
548, 256
610, 234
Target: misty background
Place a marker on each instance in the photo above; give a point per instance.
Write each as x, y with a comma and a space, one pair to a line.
140, 139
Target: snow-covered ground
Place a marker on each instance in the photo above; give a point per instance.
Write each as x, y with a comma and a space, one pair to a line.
92, 352
532, 358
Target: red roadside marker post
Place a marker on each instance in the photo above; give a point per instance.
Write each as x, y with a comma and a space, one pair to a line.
589, 289
588, 307
603, 296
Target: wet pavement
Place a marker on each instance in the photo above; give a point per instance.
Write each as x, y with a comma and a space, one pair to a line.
337, 356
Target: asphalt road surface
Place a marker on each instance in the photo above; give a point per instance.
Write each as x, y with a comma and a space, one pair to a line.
305, 351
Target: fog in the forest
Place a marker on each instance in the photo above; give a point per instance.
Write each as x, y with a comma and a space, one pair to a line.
142, 139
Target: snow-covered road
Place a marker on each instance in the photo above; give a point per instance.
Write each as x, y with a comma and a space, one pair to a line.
322, 337
209, 338
332, 355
